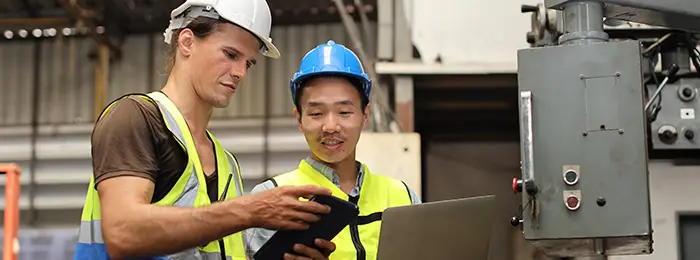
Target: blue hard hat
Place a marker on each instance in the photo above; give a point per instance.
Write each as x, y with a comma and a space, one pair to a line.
330, 59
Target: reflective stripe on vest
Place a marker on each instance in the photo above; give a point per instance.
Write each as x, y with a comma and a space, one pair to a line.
360, 239
189, 191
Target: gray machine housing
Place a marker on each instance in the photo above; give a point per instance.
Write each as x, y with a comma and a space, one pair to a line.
586, 117
584, 127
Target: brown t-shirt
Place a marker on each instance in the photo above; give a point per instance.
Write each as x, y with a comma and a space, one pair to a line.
132, 139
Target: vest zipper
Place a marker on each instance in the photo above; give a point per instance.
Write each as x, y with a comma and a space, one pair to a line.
222, 248
355, 234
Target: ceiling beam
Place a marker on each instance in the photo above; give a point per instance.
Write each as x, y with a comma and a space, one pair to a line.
30, 23
31, 10
42, 13
153, 18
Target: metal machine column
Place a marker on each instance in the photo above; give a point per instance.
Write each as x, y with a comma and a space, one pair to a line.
583, 23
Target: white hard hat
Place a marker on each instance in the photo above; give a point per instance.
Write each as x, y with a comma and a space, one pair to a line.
252, 15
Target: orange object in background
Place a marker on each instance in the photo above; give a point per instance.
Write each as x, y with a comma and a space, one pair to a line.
12, 186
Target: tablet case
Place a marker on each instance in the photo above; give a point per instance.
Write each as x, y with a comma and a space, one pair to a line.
283, 241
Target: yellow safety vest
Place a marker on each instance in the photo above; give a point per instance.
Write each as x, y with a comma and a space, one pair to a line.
360, 239
189, 191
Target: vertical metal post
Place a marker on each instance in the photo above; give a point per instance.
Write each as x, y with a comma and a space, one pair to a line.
403, 85
36, 67
266, 122
385, 29
403, 45
405, 111
151, 79
11, 224
101, 79
583, 23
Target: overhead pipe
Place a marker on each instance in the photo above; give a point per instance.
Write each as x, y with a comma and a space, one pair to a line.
365, 24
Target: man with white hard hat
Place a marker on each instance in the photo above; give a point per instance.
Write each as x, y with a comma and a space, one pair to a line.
163, 187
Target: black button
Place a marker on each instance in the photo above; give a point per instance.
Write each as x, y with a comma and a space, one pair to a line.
570, 176
687, 92
689, 134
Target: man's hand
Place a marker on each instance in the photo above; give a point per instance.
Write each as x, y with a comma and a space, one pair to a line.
309, 253
280, 208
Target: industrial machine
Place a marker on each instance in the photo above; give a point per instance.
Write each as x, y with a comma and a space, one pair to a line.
591, 104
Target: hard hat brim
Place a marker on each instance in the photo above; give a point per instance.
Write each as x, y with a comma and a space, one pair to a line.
306, 76
270, 50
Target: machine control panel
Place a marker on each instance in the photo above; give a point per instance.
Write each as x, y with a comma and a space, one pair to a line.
674, 123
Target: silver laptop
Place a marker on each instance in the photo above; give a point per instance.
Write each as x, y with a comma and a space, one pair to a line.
449, 229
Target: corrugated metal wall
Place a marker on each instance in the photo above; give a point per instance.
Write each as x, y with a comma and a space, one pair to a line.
67, 75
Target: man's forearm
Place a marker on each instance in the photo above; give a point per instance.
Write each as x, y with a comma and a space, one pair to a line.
150, 230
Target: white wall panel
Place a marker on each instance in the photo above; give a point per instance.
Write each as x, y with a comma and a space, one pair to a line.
67, 76
480, 33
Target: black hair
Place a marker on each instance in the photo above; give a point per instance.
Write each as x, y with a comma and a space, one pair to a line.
356, 83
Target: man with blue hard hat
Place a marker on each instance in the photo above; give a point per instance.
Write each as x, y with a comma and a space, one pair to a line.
331, 97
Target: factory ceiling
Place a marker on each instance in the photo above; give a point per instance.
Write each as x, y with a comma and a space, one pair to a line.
151, 16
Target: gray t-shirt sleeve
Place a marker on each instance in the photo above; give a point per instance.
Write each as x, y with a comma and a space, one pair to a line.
415, 199
256, 237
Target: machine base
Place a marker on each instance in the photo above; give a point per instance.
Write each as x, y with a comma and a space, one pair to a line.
638, 245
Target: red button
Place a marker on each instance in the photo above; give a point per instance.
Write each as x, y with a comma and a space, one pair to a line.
572, 202
517, 185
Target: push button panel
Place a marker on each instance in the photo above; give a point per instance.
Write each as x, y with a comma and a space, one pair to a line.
571, 175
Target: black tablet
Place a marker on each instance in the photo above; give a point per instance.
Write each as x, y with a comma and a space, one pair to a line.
283, 241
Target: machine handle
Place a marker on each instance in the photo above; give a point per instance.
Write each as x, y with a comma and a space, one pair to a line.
671, 73
673, 70
11, 225
527, 147
528, 8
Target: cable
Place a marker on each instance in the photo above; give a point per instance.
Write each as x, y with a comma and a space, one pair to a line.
656, 43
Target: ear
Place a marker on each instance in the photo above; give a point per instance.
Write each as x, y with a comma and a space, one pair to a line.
365, 116
298, 116
185, 41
